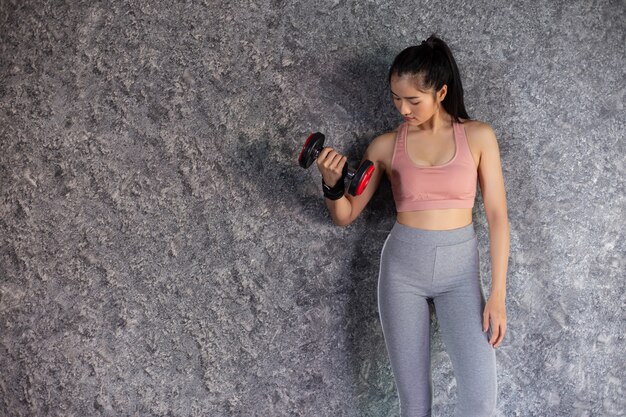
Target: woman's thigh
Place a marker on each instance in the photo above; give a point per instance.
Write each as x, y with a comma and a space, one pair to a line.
405, 319
459, 304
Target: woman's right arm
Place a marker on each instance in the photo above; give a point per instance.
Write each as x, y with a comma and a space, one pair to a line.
330, 163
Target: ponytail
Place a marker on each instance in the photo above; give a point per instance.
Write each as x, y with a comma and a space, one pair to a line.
433, 65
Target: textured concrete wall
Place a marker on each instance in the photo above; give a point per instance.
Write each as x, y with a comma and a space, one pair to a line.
163, 255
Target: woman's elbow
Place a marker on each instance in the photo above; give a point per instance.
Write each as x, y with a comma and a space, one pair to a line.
343, 222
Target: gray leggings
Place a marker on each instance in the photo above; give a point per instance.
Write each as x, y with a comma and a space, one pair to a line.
441, 265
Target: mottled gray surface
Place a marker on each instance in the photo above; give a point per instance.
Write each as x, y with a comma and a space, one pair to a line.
163, 255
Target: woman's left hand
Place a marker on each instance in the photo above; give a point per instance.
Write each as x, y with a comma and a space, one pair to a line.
495, 311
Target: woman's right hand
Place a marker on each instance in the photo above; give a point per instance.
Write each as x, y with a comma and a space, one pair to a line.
330, 164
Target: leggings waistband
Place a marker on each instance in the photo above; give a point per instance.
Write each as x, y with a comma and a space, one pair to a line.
434, 237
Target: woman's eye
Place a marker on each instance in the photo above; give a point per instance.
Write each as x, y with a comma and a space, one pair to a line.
398, 98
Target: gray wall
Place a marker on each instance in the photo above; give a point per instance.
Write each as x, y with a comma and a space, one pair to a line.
162, 254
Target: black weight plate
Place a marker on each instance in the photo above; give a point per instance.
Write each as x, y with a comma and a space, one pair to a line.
314, 142
361, 178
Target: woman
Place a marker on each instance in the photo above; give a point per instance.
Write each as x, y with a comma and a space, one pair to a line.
433, 161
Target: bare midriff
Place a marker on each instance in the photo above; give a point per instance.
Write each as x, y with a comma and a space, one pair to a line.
440, 219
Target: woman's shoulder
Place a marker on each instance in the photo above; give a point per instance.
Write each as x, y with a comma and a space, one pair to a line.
474, 124
387, 136
385, 139
477, 128
479, 133
382, 146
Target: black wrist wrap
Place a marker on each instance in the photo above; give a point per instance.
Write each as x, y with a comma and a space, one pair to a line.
333, 193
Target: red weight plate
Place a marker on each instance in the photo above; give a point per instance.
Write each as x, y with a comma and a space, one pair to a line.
365, 180
305, 145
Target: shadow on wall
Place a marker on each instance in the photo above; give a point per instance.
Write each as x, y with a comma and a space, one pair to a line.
267, 167
274, 174
268, 163
359, 85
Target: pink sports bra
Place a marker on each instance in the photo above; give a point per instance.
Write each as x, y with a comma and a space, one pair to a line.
450, 185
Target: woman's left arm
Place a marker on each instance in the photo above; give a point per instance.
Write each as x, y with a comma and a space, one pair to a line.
494, 198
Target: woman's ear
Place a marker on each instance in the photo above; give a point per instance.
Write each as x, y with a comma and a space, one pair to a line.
441, 94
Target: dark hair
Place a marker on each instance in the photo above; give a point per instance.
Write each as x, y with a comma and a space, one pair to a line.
433, 65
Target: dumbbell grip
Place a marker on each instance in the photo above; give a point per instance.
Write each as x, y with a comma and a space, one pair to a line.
348, 171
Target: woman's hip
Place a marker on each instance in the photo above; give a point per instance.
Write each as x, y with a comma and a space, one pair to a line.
430, 259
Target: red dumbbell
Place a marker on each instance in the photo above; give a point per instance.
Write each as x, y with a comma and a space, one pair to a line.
359, 178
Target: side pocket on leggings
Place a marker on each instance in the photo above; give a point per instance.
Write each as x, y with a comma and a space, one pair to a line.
457, 259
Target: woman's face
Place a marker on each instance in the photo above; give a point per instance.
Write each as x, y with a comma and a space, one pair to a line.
415, 105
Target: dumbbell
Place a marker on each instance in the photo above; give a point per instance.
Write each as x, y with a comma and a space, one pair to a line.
359, 178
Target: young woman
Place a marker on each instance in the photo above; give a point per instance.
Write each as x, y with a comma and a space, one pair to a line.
433, 161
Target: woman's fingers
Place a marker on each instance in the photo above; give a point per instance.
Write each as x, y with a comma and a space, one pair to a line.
502, 332
495, 333
325, 157
335, 162
329, 163
485, 320
494, 314
498, 327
